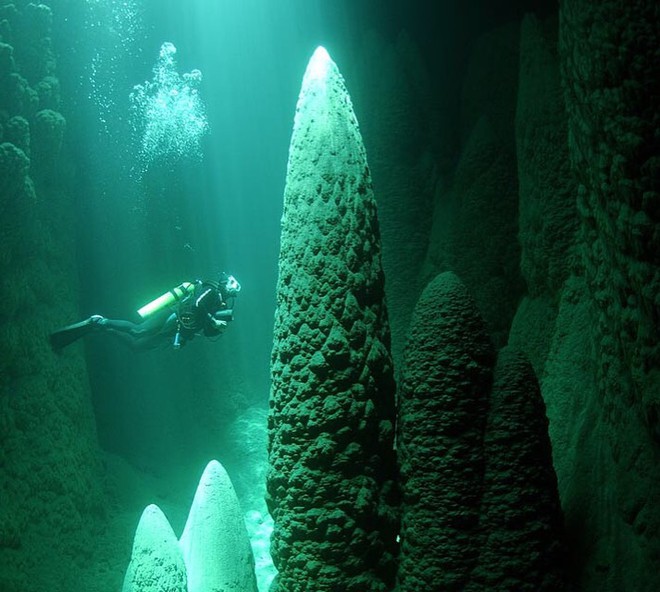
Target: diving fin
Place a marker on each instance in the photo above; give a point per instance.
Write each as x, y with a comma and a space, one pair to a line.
67, 335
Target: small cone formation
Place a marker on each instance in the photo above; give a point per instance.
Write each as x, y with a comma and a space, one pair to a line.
213, 553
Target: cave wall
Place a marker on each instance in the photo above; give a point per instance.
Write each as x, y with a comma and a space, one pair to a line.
52, 503
586, 313
547, 212
557, 169
609, 66
550, 215
475, 214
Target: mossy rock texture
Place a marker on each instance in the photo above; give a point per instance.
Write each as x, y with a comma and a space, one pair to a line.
443, 406
609, 68
331, 483
611, 84
51, 498
521, 525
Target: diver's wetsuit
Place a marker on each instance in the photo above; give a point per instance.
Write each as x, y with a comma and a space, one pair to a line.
205, 312
201, 312
197, 314
145, 335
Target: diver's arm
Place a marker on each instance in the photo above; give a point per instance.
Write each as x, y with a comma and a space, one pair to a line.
218, 321
205, 300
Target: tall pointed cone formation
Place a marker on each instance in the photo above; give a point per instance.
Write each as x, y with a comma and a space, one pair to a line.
156, 561
215, 543
331, 486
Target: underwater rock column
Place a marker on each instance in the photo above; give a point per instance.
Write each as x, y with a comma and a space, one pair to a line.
331, 485
52, 502
611, 82
215, 543
156, 561
443, 404
521, 521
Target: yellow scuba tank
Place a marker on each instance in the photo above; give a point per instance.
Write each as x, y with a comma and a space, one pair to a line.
171, 297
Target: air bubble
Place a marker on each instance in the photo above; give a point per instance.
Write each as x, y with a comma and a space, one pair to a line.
168, 115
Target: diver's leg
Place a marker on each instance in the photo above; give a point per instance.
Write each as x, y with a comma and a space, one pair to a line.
157, 332
146, 335
125, 331
119, 325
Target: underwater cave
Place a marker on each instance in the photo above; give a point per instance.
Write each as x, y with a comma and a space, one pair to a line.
331, 296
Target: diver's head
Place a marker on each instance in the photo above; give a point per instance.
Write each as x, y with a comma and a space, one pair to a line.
229, 286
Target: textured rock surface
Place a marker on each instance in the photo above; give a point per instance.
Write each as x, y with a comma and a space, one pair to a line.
521, 524
156, 561
532, 328
48, 133
610, 62
26, 56
330, 484
547, 217
50, 495
214, 542
569, 389
442, 416
612, 81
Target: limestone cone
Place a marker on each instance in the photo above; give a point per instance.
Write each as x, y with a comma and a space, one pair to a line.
521, 521
156, 561
443, 404
331, 482
215, 544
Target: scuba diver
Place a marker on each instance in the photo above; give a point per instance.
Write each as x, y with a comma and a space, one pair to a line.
176, 317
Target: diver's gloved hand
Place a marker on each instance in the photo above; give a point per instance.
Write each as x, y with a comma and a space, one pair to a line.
218, 324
